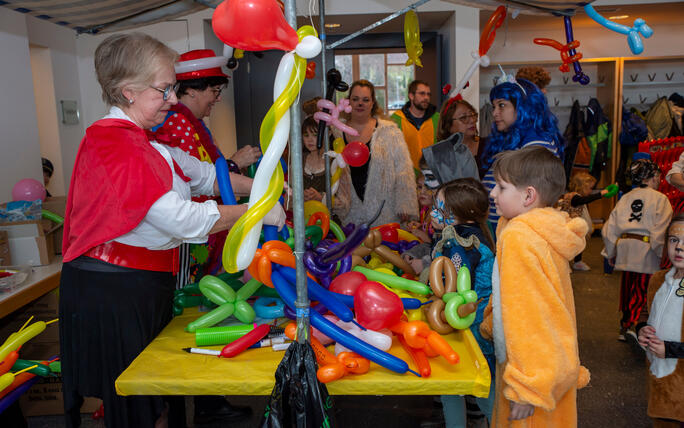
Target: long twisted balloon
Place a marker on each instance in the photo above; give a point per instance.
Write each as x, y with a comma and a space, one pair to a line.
243, 238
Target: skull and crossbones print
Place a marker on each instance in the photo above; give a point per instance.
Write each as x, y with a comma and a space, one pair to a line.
637, 208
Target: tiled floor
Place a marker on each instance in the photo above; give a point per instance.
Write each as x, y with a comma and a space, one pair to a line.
615, 398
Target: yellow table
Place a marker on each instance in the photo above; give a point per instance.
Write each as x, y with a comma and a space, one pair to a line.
164, 369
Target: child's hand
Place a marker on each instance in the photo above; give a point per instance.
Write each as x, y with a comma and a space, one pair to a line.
611, 262
645, 334
656, 346
520, 411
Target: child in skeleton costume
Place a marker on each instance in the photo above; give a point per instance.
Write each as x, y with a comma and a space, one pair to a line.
660, 334
634, 238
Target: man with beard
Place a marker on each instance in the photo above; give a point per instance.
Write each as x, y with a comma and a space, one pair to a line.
417, 120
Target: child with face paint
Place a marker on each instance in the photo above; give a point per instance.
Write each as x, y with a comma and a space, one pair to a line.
660, 334
460, 212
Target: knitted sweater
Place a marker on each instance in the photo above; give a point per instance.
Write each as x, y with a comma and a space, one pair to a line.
390, 178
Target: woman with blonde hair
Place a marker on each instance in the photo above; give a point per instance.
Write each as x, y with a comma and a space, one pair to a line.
388, 175
129, 208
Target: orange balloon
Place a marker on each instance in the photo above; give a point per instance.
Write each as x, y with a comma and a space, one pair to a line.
354, 363
265, 271
331, 372
419, 358
323, 218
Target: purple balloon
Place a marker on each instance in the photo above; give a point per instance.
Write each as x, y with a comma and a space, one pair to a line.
345, 265
348, 228
315, 266
579, 76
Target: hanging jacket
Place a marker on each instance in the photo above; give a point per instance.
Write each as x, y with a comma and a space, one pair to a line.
633, 131
598, 131
486, 120
659, 119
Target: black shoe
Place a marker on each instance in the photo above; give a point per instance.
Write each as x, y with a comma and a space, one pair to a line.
223, 413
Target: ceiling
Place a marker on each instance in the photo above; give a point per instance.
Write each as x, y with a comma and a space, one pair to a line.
429, 21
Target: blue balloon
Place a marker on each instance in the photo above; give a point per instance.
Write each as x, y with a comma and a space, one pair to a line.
339, 335
263, 309
320, 294
632, 33
223, 177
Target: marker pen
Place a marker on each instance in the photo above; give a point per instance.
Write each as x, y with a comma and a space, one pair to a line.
202, 351
268, 342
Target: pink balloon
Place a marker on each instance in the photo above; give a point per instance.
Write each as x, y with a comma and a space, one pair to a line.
28, 189
332, 118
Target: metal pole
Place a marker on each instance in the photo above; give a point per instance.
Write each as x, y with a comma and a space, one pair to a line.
297, 183
324, 87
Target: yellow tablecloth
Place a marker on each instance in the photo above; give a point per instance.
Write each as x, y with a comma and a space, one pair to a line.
164, 369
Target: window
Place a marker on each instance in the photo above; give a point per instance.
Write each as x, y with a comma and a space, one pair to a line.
387, 72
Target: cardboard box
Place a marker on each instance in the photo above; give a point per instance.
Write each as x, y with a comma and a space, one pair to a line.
28, 243
57, 205
44, 308
46, 398
5, 255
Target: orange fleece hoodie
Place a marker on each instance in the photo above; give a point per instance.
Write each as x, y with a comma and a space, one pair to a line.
537, 311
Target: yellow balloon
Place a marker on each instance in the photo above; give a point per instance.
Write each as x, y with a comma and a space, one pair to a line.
312, 206
414, 48
239, 53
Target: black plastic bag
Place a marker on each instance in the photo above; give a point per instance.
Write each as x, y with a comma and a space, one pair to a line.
298, 398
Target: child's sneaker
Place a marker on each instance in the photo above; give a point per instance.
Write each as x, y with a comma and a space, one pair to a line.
581, 266
621, 336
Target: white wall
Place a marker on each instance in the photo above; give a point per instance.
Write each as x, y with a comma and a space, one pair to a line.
19, 142
46, 115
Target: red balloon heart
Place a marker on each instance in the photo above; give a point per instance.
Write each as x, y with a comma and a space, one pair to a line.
355, 153
347, 283
253, 25
376, 307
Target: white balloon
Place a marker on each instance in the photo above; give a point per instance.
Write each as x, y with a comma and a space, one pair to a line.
199, 64
227, 51
268, 163
309, 47
374, 338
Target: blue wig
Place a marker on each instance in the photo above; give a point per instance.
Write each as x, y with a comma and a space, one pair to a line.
534, 121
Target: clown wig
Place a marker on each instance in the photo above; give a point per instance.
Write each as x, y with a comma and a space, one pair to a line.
534, 121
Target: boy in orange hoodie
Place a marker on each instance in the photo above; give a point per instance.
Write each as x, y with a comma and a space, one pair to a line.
531, 314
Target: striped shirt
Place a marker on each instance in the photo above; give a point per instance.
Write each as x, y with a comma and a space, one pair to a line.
489, 182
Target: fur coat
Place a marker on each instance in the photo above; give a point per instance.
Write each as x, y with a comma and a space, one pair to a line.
531, 317
665, 398
390, 178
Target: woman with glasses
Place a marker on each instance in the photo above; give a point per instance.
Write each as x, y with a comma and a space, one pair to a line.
200, 83
458, 115
128, 210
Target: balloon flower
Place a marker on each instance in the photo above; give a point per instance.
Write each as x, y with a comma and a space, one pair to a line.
414, 48
480, 57
632, 33
260, 25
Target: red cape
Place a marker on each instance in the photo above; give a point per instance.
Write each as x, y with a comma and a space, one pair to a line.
117, 177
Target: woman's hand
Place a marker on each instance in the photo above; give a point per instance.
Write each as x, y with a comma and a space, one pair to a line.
312, 194
645, 334
246, 156
275, 217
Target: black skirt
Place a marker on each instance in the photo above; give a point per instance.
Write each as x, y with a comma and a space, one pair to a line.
105, 320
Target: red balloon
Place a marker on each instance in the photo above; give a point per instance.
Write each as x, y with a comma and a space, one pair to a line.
489, 32
355, 153
376, 307
389, 234
347, 283
253, 25
311, 70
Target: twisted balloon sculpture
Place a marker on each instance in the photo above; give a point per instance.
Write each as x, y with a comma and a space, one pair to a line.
243, 238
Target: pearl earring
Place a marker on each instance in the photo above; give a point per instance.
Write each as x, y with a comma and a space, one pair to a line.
130, 100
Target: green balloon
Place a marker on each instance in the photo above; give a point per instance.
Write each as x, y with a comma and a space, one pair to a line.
244, 312
211, 318
451, 313
470, 296
337, 231
612, 190
463, 279
246, 291
52, 216
216, 290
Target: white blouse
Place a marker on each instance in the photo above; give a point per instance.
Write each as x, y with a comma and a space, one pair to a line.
665, 316
174, 219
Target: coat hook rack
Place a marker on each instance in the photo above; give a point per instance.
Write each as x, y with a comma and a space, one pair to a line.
651, 78
634, 77
565, 80
573, 99
642, 100
556, 101
625, 100
601, 78
669, 76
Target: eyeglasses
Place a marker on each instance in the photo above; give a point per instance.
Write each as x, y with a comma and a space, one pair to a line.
466, 118
217, 91
167, 91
